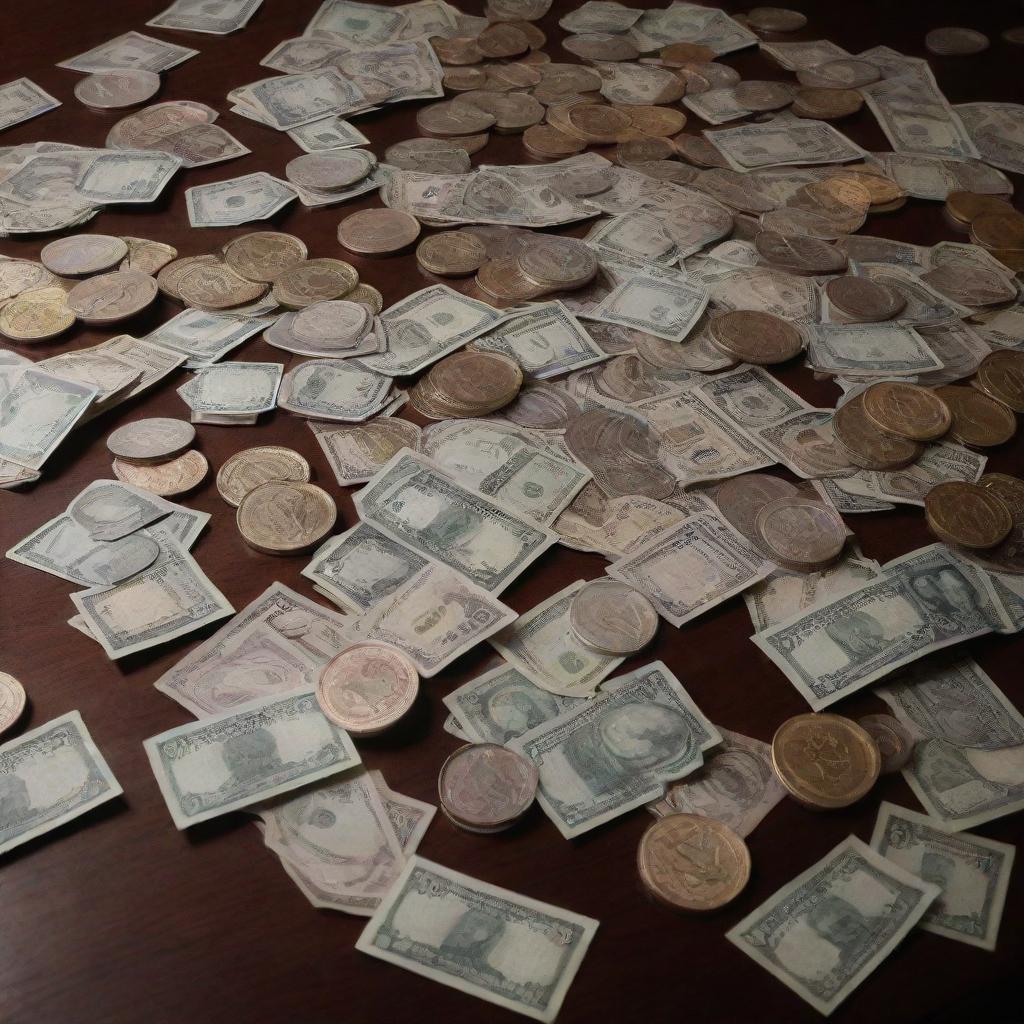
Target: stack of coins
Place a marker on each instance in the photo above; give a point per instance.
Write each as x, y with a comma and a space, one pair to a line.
247, 469
322, 178
451, 253
367, 688
978, 420
334, 329
285, 518
893, 739
543, 264
154, 454
612, 618
1002, 235
865, 445
800, 534
485, 787
467, 384
1007, 557
825, 761
961, 208
967, 515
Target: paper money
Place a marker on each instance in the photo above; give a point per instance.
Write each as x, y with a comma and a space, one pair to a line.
130, 50
288, 101
691, 23
910, 485
691, 567
737, 785
804, 54
620, 526
236, 200
328, 133
335, 389
753, 146
824, 932
412, 501
48, 777
478, 938
997, 131
233, 388
868, 350
356, 453
110, 509
409, 817
666, 309
972, 872
542, 646
616, 752
934, 177
717, 106
362, 23
255, 752
201, 16
22, 100
203, 338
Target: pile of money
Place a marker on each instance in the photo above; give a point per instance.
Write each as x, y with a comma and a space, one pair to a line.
155, 455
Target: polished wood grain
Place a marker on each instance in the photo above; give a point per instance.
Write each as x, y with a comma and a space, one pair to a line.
121, 918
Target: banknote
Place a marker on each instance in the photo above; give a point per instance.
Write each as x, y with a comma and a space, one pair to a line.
37, 413
205, 678
337, 843
666, 309
110, 509
773, 144
357, 452
295, 56
111, 377
501, 463
251, 753
22, 100
130, 50
427, 325
414, 502
852, 501
335, 389
409, 817
169, 599
825, 931
620, 527
972, 872
236, 201
910, 485
634, 235
691, 23
751, 397
507, 949
203, 338
545, 340
925, 601
763, 289
48, 777
359, 22
503, 704
934, 177
392, 72
737, 785
126, 177
599, 16
542, 646
603, 758
917, 118
717, 106
958, 346
328, 133
201, 16
691, 567
997, 131
235, 387
888, 350
434, 618
805, 54
806, 444
956, 700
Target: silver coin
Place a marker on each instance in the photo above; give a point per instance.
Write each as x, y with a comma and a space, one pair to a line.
612, 617
329, 172
109, 298
78, 255
12, 700
151, 440
337, 321
109, 90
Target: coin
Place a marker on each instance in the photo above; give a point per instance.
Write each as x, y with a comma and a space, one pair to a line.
26, 319
612, 617
603, 46
264, 255
800, 254
378, 232
338, 322
502, 41
145, 255
755, 337
826, 104
591, 121
658, 122
502, 279
331, 171
247, 469
124, 87
799, 533
314, 281
862, 300
17, 276
367, 687
460, 79
12, 701
109, 298
367, 296
825, 761
156, 439
741, 498
865, 445
282, 517
692, 862
775, 19
458, 51
484, 787
557, 263
1007, 556
763, 96
467, 384
451, 253
428, 156
990, 230
1014, 35
548, 142
1001, 376
450, 118
513, 112
971, 286
168, 478
79, 255
977, 419
962, 513
698, 151
215, 286
168, 278
542, 407
964, 207
907, 410
844, 73
893, 739
947, 42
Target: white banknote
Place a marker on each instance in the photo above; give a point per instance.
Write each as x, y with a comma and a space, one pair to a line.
236, 201
21, 100
344, 390
357, 452
130, 50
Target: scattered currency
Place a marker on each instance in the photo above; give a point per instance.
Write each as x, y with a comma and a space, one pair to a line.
486, 788
367, 688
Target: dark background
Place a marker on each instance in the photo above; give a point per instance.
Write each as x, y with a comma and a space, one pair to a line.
121, 918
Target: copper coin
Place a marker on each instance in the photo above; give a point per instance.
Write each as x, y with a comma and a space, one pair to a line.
264, 255
698, 151
893, 739
1007, 556
640, 151
460, 79
283, 518
451, 253
971, 286
12, 701
907, 410
458, 50
764, 96
1001, 376
964, 207
32, 318
558, 263
378, 232
691, 862
485, 787
1014, 35
844, 73
775, 19
754, 337
825, 761
123, 87
513, 111
596, 122
215, 286
865, 445
502, 41
168, 279
659, 122
79, 255
863, 300
146, 441
955, 41
246, 470
977, 419
800, 254
687, 52
965, 514
800, 533
177, 476
502, 279
612, 617
990, 230
826, 104
451, 118
146, 255
549, 143
110, 298
741, 498
367, 687
317, 280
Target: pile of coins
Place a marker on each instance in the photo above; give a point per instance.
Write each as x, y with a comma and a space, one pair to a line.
540, 265
334, 329
485, 787
367, 688
999, 232
248, 469
467, 384
183, 128
612, 618
155, 455
330, 176
1008, 555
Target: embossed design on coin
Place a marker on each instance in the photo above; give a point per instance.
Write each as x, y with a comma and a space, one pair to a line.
367, 687
977, 419
965, 514
862, 300
485, 787
282, 518
110, 298
866, 445
451, 253
78, 255
907, 410
264, 255
800, 534
752, 336
314, 281
247, 469
378, 232
1001, 376
12, 701
110, 90
613, 618
27, 319
151, 440
168, 478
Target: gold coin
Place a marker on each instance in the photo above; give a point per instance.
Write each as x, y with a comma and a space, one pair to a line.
315, 281
1001, 376
867, 446
962, 513
216, 286
284, 518
264, 255
907, 410
825, 761
691, 862
168, 478
247, 469
451, 253
368, 296
977, 419
27, 319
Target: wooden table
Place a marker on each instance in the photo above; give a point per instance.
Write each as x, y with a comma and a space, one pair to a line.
121, 918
